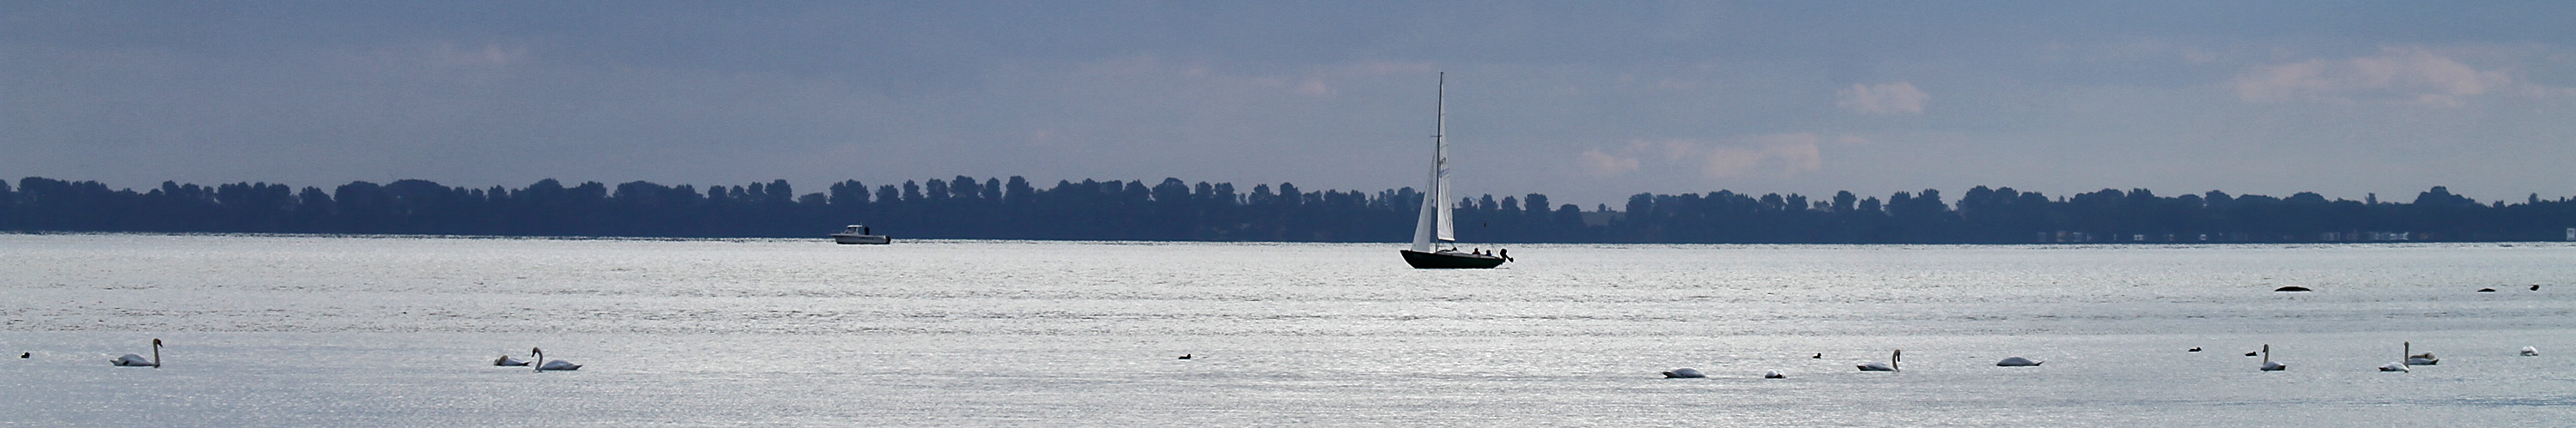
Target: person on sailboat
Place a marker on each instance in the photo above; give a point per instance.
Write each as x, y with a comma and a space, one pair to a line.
1507, 254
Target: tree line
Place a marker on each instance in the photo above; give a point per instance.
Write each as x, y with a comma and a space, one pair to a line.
1174, 210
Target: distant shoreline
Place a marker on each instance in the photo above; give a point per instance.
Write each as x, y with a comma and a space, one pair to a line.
1178, 211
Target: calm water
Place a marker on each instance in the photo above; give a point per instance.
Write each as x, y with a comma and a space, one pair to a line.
401, 330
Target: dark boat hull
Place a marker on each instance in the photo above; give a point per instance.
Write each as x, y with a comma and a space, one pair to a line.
1422, 260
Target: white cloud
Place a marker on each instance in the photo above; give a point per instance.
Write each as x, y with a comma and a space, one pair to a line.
1314, 87
1884, 98
1783, 154
1599, 164
1775, 154
2397, 74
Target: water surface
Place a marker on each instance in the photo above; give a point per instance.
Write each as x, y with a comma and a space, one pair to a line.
400, 330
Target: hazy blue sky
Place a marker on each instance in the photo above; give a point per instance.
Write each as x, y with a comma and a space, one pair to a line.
1583, 101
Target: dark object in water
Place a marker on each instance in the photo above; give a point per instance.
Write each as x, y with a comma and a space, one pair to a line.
2486, 290
2535, 287
1774, 375
2290, 289
1819, 355
1186, 356
2249, 354
2194, 349
1684, 373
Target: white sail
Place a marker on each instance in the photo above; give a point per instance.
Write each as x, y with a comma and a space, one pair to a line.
1434, 223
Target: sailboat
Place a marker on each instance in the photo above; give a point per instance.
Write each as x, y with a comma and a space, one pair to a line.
1434, 228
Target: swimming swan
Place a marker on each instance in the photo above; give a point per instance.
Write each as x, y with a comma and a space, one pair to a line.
1684, 373
2530, 351
2017, 362
2268, 364
506, 360
556, 365
1889, 366
2394, 367
131, 360
2423, 359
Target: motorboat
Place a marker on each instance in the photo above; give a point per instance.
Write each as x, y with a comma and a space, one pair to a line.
858, 234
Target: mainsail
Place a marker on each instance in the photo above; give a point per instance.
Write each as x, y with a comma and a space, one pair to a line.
1434, 224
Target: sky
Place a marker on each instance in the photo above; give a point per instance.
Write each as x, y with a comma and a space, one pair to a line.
1586, 102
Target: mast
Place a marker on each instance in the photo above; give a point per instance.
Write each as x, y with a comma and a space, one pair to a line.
1433, 224
1440, 163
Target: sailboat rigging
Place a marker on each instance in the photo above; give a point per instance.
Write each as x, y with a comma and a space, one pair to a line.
1435, 226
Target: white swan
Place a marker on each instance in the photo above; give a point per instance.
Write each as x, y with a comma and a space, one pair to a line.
131, 360
2423, 359
2268, 364
556, 365
2394, 367
506, 360
1684, 373
2530, 351
1888, 366
2017, 362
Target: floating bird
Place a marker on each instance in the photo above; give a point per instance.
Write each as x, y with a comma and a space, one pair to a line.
2249, 354
2530, 351
2193, 349
2293, 288
1819, 355
506, 360
1684, 373
557, 365
2017, 362
131, 360
2535, 287
2423, 359
2394, 367
2268, 364
1774, 375
1888, 366
2486, 290
1186, 356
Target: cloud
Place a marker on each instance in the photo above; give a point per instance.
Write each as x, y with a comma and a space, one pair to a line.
1774, 154
2397, 74
1884, 98
1783, 154
1314, 87
1598, 164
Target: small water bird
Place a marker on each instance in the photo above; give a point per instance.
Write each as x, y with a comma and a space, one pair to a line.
2486, 290
2017, 362
557, 365
1684, 373
2423, 359
2268, 364
2193, 349
2291, 289
1888, 366
2394, 367
131, 360
507, 360
2530, 351
2535, 287
1774, 375
1186, 356
1819, 355
2249, 354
